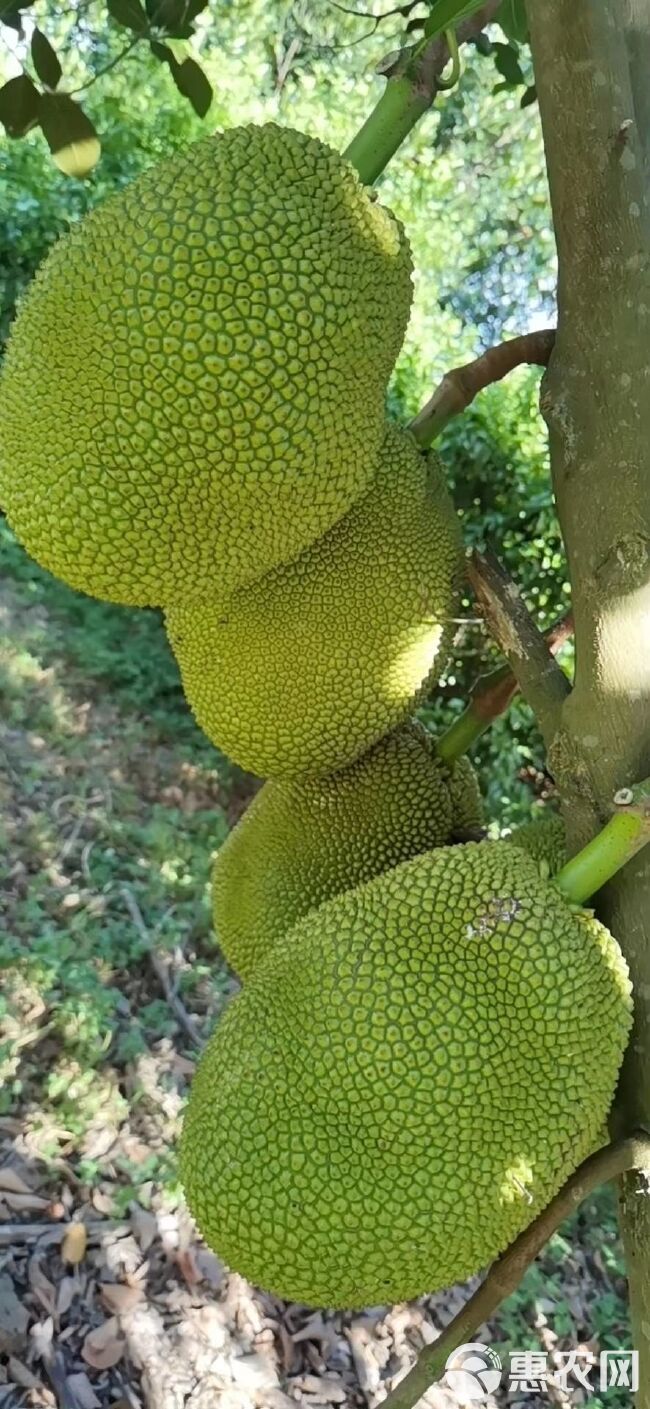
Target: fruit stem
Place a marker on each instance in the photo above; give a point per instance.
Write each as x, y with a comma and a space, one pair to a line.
401, 105
625, 834
413, 84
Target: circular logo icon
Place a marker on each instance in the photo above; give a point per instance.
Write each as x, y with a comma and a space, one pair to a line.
473, 1371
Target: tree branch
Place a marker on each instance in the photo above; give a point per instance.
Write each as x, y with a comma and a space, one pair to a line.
490, 696
506, 1273
458, 388
542, 683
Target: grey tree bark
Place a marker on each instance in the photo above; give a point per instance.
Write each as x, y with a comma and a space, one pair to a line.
591, 62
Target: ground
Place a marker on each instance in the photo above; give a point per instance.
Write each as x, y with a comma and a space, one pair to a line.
111, 807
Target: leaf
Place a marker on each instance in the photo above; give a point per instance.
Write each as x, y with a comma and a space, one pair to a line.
188, 77
75, 1242
45, 60
19, 105
69, 134
448, 13
118, 1298
193, 84
103, 1347
513, 19
128, 13
25, 1203
507, 63
529, 97
144, 1225
10, 13
11, 1180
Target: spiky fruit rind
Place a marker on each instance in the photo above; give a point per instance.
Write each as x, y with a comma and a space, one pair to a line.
194, 388
302, 841
302, 671
410, 1075
466, 801
545, 841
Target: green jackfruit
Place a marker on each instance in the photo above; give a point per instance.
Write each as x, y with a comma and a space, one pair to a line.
304, 840
305, 669
194, 388
410, 1075
545, 841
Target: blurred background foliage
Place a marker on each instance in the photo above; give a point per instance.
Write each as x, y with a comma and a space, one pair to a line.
107, 789
471, 190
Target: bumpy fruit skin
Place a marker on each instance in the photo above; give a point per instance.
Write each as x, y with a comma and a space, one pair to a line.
302, 841
194, 388
410, 1075
466, 802
545, 841
301, 672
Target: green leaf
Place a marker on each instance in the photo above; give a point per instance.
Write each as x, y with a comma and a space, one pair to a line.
188, 77
45, 60
19, 104
175, 17
447, 14
507, 62
529, 97
193, 84
128, 13
10, 13
69, 134
513, 19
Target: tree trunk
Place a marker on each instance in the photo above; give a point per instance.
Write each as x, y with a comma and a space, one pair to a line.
595, 107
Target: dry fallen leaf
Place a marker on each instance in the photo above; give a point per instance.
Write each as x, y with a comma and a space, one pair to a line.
41, 1285
104, 1346
81, 1391
75, 1242
188, 1267
118, 1298
25, 1203
144, 1225
12, 1182
68, 1288
20, 1375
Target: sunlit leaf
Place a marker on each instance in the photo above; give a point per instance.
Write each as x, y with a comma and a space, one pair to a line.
128, 13
19, 105
69, 134
45, 60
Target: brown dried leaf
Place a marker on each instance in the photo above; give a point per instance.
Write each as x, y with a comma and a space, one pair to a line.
20, 1375
104, 1346
144, 1225
25, 1203
188, 1267
118, 1298
11, 1180
75, 1242
68, 1287
81, 1391
41, 1285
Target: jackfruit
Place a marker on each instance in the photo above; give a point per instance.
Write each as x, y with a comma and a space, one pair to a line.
194, 387
302, 841
305, 669
545, 841
410, 1075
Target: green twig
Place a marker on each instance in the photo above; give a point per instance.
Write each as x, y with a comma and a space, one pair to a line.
625, 834
413, 82
506, 1273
